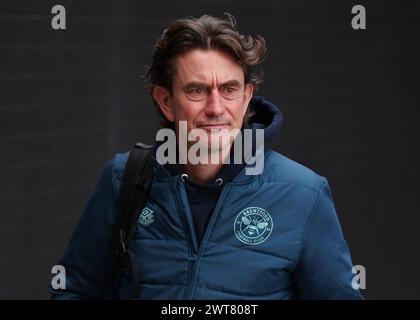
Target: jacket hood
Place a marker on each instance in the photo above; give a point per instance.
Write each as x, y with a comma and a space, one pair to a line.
267, 116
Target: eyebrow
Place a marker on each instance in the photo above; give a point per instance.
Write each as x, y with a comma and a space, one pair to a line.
197, 84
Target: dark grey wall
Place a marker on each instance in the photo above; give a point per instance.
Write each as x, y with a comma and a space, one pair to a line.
70, 99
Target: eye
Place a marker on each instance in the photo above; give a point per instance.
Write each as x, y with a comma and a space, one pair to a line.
229, 92
196, 94
197, 91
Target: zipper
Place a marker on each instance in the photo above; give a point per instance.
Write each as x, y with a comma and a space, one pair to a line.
195, 250
186, 213
178, 187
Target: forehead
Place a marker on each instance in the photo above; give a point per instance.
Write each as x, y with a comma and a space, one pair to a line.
207, 66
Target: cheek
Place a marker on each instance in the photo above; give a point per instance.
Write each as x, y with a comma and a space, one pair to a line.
187, 111
240, 110
244, 108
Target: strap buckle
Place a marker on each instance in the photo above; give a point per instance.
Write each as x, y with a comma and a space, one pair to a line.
122, 242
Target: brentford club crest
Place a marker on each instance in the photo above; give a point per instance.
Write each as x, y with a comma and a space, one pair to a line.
253, 225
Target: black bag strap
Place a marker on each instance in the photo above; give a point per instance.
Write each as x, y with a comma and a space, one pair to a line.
134, 192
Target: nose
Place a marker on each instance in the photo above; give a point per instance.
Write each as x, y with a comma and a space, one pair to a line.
214, 106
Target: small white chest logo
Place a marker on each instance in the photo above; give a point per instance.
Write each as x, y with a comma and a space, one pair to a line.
146, 217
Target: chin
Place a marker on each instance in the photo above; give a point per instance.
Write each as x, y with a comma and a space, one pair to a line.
217, 144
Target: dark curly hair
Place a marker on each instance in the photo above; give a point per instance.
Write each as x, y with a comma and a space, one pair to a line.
206, 33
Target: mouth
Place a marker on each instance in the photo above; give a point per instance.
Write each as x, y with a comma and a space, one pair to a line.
214, 126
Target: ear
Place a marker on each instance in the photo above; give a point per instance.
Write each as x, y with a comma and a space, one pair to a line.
162, 97
249, 90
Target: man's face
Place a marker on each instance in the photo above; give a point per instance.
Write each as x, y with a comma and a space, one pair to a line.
208, 92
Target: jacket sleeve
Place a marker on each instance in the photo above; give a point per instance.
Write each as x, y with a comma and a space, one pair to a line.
90, 244
324, 270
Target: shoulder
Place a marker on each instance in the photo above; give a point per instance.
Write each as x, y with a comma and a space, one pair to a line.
279, 168
118, 163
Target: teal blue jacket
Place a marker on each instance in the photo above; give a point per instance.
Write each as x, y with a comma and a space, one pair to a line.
292, 246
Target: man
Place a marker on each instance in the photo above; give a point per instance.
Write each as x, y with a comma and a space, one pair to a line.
216, 232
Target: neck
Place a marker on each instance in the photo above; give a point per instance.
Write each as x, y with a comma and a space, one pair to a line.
203, 173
